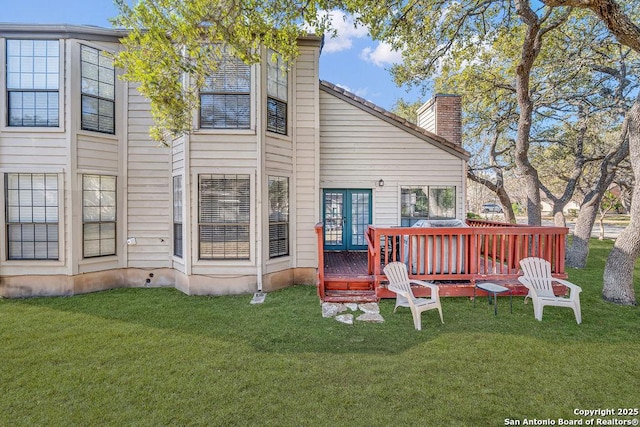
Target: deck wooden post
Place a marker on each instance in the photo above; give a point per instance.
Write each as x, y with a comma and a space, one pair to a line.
320, 240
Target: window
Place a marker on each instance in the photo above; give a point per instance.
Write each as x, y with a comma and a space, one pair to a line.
442, 202
98, 90
33, 74
278, 216
277, 89
426, 202
177, 216
225, 100
32, 216
223, 217
99, 215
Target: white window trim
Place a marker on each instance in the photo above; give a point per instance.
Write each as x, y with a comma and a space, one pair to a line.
87, 265
253, 110
174, 257
457, 187
195, 240
7, 264
283, 258
62, 91
289, 102
116, 126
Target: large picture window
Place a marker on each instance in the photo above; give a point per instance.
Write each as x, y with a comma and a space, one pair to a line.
428, 202
177, 216
98, 90
224, 216
33, 75
225, 101
99, 215
277, 93
278, 216
32, 216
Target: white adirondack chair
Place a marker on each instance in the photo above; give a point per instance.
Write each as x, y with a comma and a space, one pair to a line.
537, 278
400, 283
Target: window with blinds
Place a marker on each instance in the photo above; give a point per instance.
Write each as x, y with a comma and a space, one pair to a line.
177, 216
278, 216
225, 101
98, 90
33, 75
31, 202
277, 93
224, 203
98, 215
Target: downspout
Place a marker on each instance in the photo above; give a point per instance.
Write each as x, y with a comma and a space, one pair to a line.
259, 224
259, 169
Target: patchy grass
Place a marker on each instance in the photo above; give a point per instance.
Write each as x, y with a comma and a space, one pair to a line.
158, 357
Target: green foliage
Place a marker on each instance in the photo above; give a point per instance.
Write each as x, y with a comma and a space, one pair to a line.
610, 202
156, 357
407, 110
173, 45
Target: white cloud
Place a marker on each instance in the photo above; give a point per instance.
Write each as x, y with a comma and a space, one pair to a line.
346, 31
382, 55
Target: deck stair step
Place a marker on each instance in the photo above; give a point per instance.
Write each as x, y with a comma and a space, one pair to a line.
350, 296
338, 282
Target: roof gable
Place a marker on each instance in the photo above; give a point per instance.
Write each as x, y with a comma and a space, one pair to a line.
395, 120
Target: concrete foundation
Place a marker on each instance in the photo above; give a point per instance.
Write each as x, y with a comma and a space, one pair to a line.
62, 285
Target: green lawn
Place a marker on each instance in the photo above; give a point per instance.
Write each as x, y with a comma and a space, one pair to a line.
157, 357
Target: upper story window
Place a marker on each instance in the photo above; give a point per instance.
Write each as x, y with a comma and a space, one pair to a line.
225, 101
428, 202
98, 90
33, 79
277, 92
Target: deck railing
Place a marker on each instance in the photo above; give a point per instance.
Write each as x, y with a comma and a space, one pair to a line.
481, 250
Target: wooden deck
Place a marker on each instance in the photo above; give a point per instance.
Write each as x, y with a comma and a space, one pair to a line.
346, 263
454, 258
346, 277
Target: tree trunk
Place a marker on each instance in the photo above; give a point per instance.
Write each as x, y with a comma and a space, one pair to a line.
578, 251
618, 272
609, 12
530, 50
559, 220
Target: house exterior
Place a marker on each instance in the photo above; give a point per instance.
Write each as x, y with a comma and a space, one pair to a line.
91, 203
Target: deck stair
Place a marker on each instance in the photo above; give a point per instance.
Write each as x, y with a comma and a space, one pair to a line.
350, 296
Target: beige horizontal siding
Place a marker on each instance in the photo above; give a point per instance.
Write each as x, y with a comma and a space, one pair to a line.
149, 205
28, 151
306, 125
279, 155
96, 153
357, 149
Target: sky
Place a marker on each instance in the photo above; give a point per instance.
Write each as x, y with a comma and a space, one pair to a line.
351, 60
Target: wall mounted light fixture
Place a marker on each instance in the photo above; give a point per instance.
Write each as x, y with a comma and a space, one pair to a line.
381, 183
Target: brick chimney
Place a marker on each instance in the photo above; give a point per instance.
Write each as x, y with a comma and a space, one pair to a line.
442, 115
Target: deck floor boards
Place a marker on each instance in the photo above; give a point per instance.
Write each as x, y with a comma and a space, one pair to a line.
346, 263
